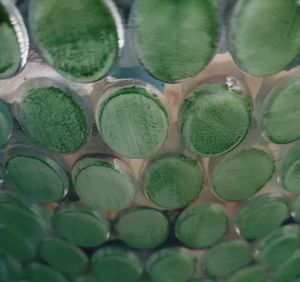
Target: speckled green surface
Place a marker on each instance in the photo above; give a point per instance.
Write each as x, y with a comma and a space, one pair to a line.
182, 39
54, 119
37, 272
240, 176
133, 122
250, 274
202, 225
214, 120
265, 35
6, 122
81, 42
173, 180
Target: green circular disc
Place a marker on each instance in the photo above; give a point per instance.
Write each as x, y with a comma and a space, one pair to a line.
142, 228
115, 265
6, 121
10, 268
242, 175
214, 120
40, 179
295, 209
173, 180
226, 258
54, 119
192, 26
37, 272
202, 225
250, 274
289, 170
261, 214
264, 35
133, 122
84, 50
279, 109
63, 256
170, 265
82, 227
102, 184
278, 246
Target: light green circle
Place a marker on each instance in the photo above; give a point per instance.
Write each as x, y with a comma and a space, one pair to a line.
37, 272
250, 274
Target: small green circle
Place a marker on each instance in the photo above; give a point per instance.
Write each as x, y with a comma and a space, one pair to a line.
37, 272
115, 265
242, 175
40, 179
63, 256
133, 122
202, 225
250, 274
82, 227
261, 215
103, 185
142, 228
6, 122
278, 246
54, 119
173, 180
295, 209
170, 265
226, 258
214, 120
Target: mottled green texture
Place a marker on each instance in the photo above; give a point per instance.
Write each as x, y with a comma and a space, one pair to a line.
54, 119
280, 113
226, 258
265, 35
250, 274
289, 270
261, 214
10, 53
81, 226
6, 121
242, 175
142, 228
63, 256
182, 39
10, 268
133, 122
295, 209
173, 181
37, 272
278, 246
170, 265
214, 120
81, 42
39, 179
115, 265
103, 185
202, 225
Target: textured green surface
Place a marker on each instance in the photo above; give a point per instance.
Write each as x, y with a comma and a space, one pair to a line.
202, 225
10, 53
250, 274
81, 42
261, 214
277, 247
63, 256
142, 228
295, 209
173, 181
39, 179
265, 35
169, 265
6, 121
102, 185
37, 272
202, 279
54, 119
81, 227
242, 175
133, 122
86, 278
214, 120
115, 265
281, 108
182, 39
10, 268
226, 258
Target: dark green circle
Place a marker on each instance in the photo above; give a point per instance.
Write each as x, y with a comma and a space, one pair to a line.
37, 272
255, 273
